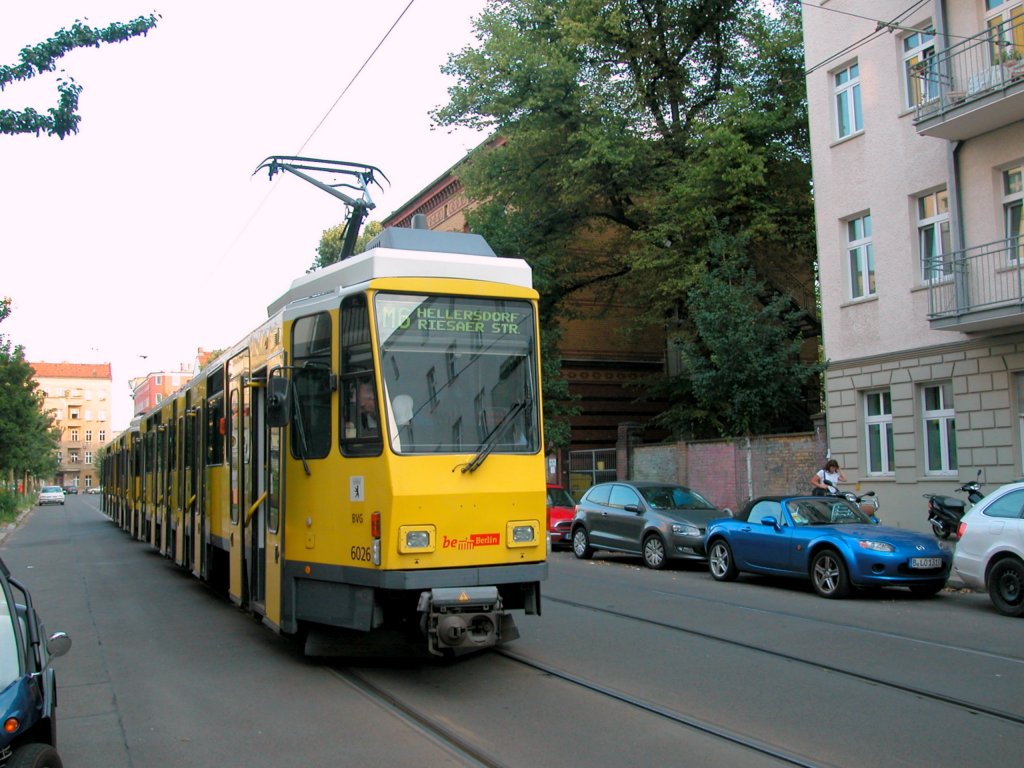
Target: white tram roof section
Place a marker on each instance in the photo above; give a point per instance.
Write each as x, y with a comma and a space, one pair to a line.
471, 262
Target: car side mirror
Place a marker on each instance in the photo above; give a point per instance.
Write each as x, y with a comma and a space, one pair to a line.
58, 644
635, 508
728, 512
770, 521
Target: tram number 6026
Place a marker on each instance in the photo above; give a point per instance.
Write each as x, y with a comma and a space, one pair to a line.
361, 554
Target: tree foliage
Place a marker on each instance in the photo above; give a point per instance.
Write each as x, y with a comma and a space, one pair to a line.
329, 249
28, 440
62, 119
644, 143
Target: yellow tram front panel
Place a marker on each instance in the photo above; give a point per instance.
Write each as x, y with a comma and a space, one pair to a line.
472, 520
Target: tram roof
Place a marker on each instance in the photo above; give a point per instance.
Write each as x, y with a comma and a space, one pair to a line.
417, 254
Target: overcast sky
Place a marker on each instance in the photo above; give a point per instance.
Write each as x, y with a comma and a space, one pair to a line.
146, 233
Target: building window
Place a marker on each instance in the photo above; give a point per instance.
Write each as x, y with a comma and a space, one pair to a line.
88, 435
103, 435
921, 81
73, 434
73, 457
878, 426
933, 236
1005, 22
88, 457
1013, 203
939, 429
847, 93
860, 257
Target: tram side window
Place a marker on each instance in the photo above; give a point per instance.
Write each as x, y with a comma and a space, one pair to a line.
311, 382
360, 413
215, 418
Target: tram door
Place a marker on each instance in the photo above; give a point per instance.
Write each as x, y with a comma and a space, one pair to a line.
262, 513
239, 456
194, 513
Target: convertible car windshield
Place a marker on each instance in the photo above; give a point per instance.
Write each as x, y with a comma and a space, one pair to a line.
822, 510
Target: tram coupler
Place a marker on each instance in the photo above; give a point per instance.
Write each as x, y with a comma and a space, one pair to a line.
462, 619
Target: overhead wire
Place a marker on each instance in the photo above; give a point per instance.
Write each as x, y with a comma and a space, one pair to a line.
318, 126
882, 26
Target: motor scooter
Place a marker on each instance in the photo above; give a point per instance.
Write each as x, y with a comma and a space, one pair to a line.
866, 502
944, 512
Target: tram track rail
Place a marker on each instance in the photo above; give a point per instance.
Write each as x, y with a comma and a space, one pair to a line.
941, 698
429, 727
704, 726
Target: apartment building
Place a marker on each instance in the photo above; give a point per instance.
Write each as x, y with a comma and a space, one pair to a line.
917, 142
77, 395
149, 390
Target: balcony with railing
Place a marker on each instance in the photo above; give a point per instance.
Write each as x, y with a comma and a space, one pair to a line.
978, 289
973, 87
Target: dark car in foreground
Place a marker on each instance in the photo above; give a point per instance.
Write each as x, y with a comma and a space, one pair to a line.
561, 509
659, 521
825, 539
28, 685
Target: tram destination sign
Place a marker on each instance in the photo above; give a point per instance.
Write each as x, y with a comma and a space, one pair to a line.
411, 317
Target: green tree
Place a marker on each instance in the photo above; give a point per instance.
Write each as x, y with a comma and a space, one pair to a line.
62, 119
28, 439
329, 250
737, 335
667, 136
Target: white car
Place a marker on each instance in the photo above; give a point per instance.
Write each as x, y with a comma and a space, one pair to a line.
51, 494
990, 552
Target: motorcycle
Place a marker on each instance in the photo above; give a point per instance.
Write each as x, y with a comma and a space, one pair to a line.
944, 512
866, 502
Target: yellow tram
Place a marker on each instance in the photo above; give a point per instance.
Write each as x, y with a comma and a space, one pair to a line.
366, 467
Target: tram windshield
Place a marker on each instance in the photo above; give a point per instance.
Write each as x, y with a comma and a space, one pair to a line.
459, 373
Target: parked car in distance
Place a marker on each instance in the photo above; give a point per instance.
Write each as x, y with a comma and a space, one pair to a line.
51, 494
659, 521
71, 490
561, 509
94, 490
28, 685
828, 540
990, 551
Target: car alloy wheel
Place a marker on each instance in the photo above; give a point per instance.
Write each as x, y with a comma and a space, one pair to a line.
720, 562
581, 544
828, 574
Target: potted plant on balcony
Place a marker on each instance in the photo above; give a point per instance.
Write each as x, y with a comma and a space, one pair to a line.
1012, 59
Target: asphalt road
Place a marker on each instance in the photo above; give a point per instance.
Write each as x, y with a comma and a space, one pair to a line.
627, 666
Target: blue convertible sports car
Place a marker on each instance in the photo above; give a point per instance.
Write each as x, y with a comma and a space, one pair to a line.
826, 539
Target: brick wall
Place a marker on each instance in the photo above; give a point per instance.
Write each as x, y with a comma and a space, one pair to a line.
729, 472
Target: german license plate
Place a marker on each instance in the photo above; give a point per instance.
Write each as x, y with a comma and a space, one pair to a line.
926, 562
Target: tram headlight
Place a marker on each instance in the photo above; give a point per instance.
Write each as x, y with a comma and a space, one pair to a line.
522, 533
416, 539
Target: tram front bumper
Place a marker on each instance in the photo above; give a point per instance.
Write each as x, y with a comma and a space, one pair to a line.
464, 619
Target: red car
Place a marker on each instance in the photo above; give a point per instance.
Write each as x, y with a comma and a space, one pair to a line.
561, 509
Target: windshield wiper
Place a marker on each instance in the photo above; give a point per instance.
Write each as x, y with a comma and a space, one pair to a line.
492, 436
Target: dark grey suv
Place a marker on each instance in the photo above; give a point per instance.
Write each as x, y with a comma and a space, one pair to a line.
660, 521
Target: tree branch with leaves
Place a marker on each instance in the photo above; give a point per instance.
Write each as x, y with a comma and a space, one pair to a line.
63, 119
